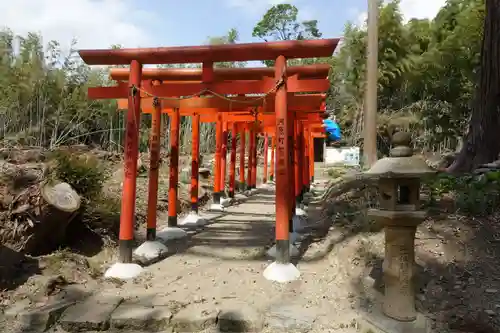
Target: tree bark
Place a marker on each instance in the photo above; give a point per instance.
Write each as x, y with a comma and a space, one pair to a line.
482, 143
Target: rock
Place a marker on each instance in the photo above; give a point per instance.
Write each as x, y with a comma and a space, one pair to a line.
290, 318
91, 315
141, 317
39, 317
491, 291
195, 317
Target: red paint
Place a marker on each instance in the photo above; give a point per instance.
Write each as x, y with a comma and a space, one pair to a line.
127, 216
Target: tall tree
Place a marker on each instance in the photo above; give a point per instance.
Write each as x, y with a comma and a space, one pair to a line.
482, 143
281, 22
231, 37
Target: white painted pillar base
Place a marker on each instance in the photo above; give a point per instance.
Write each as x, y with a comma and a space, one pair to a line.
170, 233
193, 219
150, 250
123, 271
217, 208
281, 273
226, 202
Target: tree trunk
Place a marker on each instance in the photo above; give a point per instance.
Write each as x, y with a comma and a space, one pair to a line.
482, 143
34, 214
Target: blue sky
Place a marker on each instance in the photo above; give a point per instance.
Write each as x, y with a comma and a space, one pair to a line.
153, 23
195, 20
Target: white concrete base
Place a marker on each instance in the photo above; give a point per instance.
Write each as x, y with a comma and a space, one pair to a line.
192, 219
150, 250
299, 223
300, 212
225, 202
293, 251
170, 233
281, 273
217, 208
123, 271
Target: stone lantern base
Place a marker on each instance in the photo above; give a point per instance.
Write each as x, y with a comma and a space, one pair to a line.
378, 322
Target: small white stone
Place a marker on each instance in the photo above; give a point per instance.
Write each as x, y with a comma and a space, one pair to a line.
281, 273
123, 271
170, 233
293, 251
150, 250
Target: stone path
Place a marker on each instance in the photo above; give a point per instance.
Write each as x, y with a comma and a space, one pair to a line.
215, 284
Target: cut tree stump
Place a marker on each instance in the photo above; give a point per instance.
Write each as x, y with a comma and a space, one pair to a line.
37, 221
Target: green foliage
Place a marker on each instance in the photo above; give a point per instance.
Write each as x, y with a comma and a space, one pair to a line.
477, 195
83, 172
427, 74
280, 23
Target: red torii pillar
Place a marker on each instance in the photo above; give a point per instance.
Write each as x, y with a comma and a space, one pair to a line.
242, 184
272, 166
282, 270
232, 167
127, 215
266, 144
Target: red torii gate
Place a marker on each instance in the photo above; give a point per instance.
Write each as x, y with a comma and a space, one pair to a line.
282, 269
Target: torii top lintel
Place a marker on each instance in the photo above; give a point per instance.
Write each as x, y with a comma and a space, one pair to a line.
212, 53
316, 71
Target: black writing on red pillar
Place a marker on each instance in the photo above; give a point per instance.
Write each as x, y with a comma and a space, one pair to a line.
130, 162
155, 152
281, 146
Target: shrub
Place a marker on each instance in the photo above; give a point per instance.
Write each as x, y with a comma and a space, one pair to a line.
83, 172
477, 195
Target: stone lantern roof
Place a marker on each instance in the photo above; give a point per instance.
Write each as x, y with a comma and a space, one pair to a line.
401, 163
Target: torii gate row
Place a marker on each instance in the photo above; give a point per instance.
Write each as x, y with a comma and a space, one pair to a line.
281, 270
264, 123
209, 108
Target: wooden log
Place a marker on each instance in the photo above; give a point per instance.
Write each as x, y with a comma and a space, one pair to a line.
38, 217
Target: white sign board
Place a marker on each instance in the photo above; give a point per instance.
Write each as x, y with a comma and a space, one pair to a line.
342, 156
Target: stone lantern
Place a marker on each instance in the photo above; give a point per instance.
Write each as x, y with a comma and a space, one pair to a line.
399, 212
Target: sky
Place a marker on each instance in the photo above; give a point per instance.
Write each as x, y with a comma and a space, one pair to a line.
152, 23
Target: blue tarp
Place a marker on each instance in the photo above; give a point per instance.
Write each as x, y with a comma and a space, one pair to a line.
332, 129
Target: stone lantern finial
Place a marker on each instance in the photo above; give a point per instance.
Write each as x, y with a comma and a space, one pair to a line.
401, 145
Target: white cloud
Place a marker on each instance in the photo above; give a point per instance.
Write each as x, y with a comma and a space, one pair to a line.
255, 7
419, 9
94, 23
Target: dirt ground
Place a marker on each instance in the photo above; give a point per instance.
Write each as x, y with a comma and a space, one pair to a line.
458, 279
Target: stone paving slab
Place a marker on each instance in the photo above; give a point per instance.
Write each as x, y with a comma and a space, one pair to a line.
217, 285
92, 314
